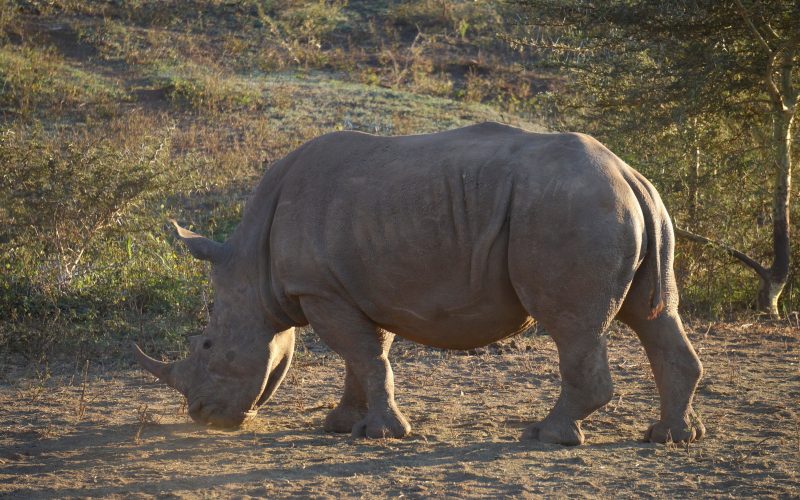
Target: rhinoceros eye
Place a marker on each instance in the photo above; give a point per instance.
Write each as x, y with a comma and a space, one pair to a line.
207, 344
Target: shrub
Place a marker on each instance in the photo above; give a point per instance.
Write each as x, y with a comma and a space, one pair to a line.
204, 88
81, 217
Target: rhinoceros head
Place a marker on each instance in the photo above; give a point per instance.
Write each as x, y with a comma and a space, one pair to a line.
239, 361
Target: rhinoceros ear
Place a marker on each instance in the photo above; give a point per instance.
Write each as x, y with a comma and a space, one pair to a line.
199, 246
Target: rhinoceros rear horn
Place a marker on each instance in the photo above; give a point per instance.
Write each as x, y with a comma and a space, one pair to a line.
199, 246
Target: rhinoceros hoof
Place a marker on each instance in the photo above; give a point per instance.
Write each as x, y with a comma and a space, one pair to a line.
343, 418
382, 426
678, 432
566, 432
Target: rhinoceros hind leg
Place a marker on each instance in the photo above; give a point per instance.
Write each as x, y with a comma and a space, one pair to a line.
365, 349
352, 408
677, 371
585, 386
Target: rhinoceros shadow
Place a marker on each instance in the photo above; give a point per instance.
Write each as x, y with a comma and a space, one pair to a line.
113, 460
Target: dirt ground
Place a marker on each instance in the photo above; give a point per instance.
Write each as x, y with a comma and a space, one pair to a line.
114, 433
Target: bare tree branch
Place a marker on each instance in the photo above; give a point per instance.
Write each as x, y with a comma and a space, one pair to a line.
746, 18
772, 88
770, 31
744, 258
787, 64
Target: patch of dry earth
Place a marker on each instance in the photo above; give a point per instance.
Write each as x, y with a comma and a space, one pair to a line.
130, 438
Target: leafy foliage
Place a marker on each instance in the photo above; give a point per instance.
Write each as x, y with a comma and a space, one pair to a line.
678, 90
78, 216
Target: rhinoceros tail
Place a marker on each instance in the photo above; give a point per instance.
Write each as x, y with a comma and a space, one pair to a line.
652, 267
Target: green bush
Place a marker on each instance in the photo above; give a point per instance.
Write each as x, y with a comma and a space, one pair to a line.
82, 219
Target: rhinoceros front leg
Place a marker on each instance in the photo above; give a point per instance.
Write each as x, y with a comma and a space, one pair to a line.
352, 408
365, 349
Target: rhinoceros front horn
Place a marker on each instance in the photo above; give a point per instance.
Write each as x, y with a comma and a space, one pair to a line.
164, 371
200, 246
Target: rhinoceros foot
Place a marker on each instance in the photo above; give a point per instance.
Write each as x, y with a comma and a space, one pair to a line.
556, 431
390, 424
342, 418
680, 431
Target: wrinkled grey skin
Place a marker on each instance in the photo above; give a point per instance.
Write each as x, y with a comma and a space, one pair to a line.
452, 240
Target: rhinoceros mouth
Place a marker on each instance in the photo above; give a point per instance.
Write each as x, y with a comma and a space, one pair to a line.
212, 415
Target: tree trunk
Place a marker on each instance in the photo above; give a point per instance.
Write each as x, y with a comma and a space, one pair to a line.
694, 190
694, 177
769, 292
767, 299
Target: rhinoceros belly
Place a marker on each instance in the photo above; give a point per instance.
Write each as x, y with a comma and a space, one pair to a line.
442, 298
456, 328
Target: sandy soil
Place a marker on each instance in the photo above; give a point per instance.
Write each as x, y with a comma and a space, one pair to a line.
121, 435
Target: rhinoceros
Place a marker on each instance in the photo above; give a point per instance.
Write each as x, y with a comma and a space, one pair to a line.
455, 240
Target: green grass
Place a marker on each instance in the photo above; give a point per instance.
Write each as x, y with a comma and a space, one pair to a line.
35, 78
